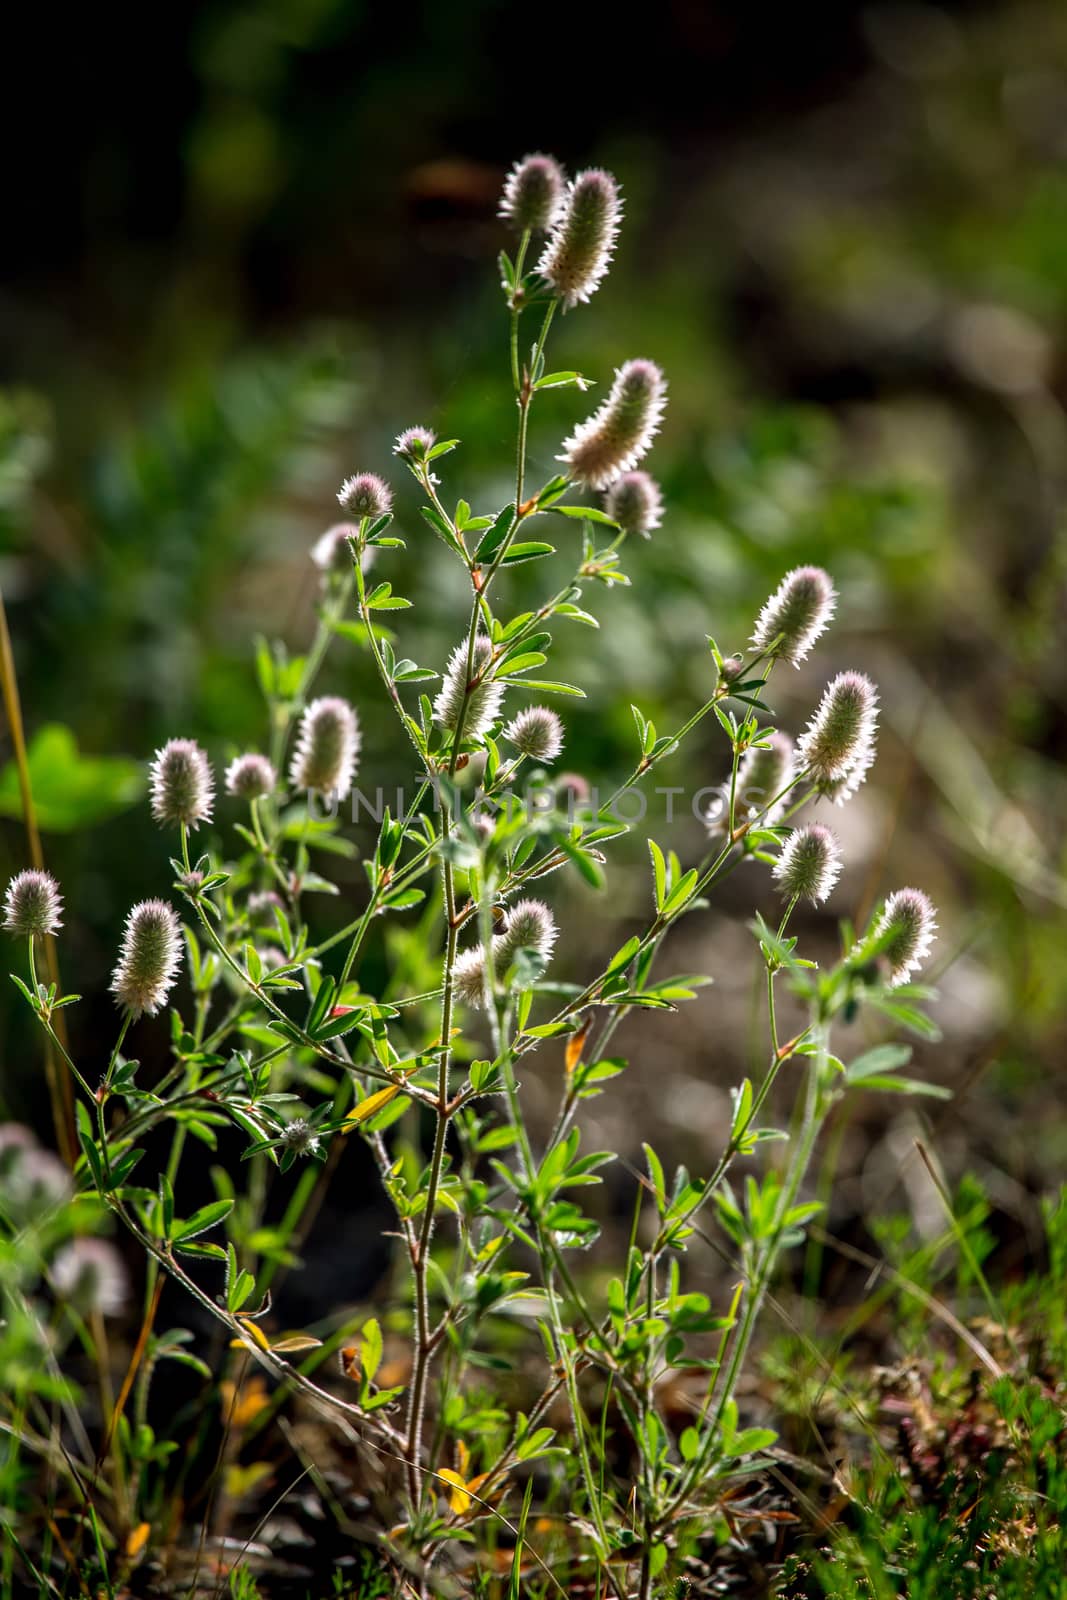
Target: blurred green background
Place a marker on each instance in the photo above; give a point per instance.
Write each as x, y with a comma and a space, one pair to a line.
248, 244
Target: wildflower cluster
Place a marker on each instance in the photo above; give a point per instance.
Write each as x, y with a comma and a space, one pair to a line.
285, 1034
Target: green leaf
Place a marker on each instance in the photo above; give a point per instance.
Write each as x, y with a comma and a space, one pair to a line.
562, 380
584, 860
440, 527
584, 514
681, 894
324, 999
892, 1084
207, 1217
751, 1440
166, 1205
531, 550
92, 1156
576, 614
491, 541
523, 663
883, 1058
371, 1350
240, 1288
543, 686
659, 872
334, 1027
71, 791
549, 1030
623, 956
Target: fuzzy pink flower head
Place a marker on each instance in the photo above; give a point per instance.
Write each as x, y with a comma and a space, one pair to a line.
90, 1274
579, 248
468, 977
149, 959
572, 789
621, 431
181, 784
251, 777
365, 495
32, 1180
533, 193
904, 933
413, 444
796, 614
635, 502
843, 788
32, 905
530, 926
17, 1137
809, 864
327, 748
839, 739
482, 701
764, 774
332, 553
537, 732
262, 904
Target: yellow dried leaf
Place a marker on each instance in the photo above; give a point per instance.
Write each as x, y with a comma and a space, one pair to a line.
255, 1333
238, 1480
458, 1497
296, 1341
137, 1540
576, 1044
240, 1406
368, 1107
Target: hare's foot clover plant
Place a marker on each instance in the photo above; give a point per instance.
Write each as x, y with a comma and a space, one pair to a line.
273, 1029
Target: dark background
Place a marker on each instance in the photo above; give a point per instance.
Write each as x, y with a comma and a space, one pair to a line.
245, 245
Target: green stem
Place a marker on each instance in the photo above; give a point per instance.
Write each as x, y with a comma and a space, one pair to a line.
423, 1343
516, 310
364, 922
767, 1257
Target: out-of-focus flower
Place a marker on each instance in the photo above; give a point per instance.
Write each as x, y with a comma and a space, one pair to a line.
531, 926
32, 1180
620, 432
90, 1275
468, 977
635, 502
533, 193
904, 932
332, 553
251, 777
763, 774
327, 747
